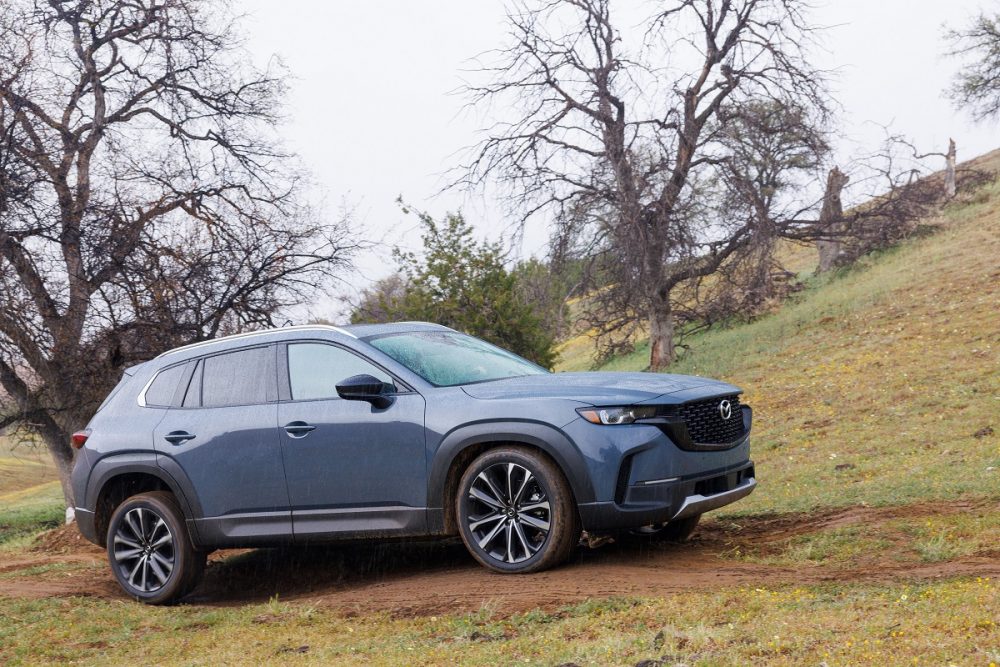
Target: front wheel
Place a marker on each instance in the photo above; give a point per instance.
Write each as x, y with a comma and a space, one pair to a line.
516, 512
149, 549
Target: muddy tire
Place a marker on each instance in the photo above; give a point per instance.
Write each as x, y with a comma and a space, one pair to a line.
515, 510
150, 551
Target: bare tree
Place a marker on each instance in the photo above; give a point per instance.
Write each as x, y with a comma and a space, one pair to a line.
891, 191
831, 221
950, 185
633, 136
161, 209
950, 165
772, 150
976, 87
382, 301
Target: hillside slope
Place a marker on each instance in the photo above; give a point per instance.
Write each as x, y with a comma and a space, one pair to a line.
880, 383
872, 538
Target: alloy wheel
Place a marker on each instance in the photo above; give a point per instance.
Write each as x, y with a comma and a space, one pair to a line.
508, 513
144, 550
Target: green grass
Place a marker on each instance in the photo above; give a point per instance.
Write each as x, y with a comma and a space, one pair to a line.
24, 513
923, 537
45, 571
23, 463
943, 622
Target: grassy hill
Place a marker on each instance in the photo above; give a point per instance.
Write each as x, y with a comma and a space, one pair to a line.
30, 495
873, 537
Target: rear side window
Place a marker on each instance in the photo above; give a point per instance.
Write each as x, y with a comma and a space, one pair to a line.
161, 391
314, 369
236, 378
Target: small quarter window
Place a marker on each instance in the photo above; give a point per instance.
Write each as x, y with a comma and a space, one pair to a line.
161, 391
315, 369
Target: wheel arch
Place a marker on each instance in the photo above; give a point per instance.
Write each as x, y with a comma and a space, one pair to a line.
117, 477
460, 447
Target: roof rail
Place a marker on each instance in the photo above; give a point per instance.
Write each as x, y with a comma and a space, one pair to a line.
251, 334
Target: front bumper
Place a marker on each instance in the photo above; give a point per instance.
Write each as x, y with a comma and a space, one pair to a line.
659, 501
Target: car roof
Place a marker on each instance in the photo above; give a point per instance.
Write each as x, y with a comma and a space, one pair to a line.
350, 331
369, 330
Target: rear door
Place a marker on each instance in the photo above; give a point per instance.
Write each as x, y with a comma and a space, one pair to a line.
352, 469
223, 435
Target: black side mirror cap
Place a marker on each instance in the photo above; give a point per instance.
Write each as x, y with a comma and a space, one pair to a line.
364, 387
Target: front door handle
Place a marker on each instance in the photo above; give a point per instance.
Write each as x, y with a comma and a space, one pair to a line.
298, 429
178, 437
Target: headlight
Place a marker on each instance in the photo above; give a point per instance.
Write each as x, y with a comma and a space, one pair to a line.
616, 416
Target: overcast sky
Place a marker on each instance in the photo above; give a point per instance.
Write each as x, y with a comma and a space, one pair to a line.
374, 115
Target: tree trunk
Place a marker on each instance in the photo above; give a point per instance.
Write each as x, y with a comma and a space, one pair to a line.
57, 442
661, 335
950, 187
831, 221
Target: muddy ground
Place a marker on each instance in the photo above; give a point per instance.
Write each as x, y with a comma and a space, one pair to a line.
422, 578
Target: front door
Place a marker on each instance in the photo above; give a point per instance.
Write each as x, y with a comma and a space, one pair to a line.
352, 469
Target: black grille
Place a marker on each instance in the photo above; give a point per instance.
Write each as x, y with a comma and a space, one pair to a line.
706, 425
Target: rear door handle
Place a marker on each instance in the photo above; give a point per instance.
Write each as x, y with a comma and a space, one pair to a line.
178, 437
298, 429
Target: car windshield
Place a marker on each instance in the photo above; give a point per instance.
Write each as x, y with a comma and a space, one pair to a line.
447, 359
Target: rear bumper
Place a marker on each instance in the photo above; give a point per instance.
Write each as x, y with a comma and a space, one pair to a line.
665, 500
86, 525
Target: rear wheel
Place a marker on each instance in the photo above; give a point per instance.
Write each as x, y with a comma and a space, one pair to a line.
673, 531
149, 549
515, 511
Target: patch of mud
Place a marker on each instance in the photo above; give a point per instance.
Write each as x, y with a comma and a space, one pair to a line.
62, 539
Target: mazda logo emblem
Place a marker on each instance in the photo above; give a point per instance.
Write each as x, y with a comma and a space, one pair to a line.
725, 409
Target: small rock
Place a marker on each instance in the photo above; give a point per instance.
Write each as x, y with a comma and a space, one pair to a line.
294, 649
983, 432
844, 466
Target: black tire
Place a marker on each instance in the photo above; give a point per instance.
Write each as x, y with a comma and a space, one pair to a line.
674, 531
150, 551
516, 513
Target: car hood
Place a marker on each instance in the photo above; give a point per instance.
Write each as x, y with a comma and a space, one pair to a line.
601, 388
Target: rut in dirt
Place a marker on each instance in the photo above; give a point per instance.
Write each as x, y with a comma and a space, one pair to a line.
420, 578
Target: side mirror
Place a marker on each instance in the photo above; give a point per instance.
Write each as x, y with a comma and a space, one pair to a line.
364, 388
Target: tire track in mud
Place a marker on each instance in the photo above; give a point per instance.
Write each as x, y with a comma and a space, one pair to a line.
423, 578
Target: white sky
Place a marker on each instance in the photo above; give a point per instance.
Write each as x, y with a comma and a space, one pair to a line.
374, 115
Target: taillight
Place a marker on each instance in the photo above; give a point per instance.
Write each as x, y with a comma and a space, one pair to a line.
79, 439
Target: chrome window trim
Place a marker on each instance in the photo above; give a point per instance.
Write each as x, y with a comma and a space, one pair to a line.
141, 399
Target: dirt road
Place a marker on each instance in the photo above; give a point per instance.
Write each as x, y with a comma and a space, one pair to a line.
437, 577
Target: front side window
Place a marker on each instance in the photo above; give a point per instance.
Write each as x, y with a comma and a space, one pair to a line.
315, 369
236, 378
446, 358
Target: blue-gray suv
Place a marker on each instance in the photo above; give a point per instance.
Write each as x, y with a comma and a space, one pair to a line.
314, 433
